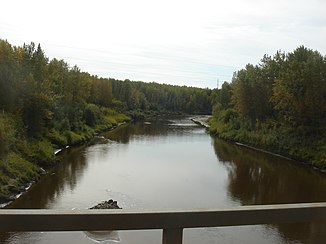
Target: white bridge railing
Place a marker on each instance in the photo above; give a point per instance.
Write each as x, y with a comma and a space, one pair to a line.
172, 222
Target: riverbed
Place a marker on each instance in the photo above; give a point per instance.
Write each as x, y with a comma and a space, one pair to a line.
173, 163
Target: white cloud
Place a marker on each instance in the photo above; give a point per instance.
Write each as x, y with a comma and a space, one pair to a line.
184, 42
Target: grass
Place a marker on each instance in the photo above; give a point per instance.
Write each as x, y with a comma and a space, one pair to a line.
56, 138
38, 151
15, 173
82, 132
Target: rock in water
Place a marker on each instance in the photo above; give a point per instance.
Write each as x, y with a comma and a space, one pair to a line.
102, 236
107, 205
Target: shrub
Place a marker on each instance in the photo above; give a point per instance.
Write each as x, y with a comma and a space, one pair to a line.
56, 138
16, 172
73, 138
92, 114
7, 133
39, 152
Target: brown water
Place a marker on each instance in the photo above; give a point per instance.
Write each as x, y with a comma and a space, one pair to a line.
174, 164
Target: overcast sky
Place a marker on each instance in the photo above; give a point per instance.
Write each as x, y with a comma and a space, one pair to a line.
191, 43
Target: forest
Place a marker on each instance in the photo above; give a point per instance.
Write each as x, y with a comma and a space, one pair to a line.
278, 105
47, 104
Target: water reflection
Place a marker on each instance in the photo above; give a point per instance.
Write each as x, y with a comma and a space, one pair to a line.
258, 178
103, 236
65, 175
156, 127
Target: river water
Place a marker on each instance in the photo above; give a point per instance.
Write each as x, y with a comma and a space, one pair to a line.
172, 163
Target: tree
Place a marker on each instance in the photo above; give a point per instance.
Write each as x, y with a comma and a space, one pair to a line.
39, 64
101, 92
58, 75
7, 76
249, 96
7, 133
35, 114
92, 114
300, 93
225, 94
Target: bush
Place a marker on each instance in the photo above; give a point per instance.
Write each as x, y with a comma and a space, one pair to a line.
7, 133
92, 114
108, 111
17, 167
136, 115
16, 172
38, 152
74, 138
56, 138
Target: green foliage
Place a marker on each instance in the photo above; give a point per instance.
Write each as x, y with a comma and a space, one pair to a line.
162, 97
252, 93
101, 92
222, 96
111, 118
35, 113
7, 133
300, 93
38, 151
7, 76
73, 138
278, 105
15, 173
92, 114
136, 115
15, 166
56, 138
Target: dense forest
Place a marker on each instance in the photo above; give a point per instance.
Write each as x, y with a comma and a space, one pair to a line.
46, 104
278, 105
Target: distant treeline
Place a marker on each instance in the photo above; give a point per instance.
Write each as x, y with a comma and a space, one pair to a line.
46, 104
278, 105
162, 97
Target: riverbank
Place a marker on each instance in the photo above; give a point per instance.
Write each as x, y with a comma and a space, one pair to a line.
284, 142
206, 121
202, 120
20, 173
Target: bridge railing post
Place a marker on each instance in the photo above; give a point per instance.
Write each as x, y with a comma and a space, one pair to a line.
172, 236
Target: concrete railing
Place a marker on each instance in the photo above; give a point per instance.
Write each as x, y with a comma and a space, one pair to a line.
172, 222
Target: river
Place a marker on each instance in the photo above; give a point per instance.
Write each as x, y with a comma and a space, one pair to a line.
172, 163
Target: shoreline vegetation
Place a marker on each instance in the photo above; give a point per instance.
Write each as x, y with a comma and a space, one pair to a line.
278, 106
47, 105
206, 122
14, 192
309, 153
